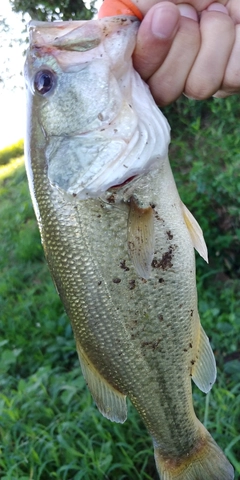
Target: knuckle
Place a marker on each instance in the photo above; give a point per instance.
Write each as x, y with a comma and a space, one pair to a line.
200, 91
231, 82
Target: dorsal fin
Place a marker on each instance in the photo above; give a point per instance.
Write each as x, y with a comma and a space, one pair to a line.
196, 232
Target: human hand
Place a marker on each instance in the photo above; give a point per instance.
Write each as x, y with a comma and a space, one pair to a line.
189, 48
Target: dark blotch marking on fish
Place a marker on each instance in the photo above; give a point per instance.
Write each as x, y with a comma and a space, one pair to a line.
100, 282
111, 199
152, 345
157, 216
132, 284
191, 313
161, 280
169, 234
131, 245
98, 216
166, 261
134, 323
160, 317
124, 266
116, 280
192, 362
74, 194
186, 349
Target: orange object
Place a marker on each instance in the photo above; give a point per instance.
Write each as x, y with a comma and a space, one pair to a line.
110, 8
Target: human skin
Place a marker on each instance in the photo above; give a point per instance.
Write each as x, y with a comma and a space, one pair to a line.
191, 48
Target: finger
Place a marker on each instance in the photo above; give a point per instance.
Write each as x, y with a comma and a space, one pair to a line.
199, 5
234, 10
155, 37
168, 82
231, 80
206, 76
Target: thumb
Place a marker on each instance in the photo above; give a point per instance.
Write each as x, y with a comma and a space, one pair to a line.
155, 37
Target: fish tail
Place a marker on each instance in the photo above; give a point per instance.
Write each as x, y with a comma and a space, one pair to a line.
205, 462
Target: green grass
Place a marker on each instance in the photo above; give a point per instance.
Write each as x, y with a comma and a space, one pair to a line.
49, 427
13, 151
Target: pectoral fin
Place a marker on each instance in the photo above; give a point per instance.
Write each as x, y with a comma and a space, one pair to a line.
141, 238
110, 402
195, 233
204, 369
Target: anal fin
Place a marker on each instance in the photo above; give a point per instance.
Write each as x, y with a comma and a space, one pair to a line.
141, 238
196, 233
204, 370
110, 402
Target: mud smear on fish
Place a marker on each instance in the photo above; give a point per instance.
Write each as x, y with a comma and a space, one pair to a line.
118, 240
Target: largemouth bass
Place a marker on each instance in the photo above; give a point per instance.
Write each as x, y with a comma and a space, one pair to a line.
118, 240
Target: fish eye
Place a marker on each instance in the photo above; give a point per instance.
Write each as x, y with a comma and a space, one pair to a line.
44, 81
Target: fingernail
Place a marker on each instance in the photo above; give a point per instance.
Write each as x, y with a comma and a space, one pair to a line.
188, 11
164, 21
217, 7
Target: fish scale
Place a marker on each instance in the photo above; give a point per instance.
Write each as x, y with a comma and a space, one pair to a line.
122, 257
78, 248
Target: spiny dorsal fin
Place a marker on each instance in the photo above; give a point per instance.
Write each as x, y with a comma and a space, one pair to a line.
141, 238
195, 232
204, 370
110, 402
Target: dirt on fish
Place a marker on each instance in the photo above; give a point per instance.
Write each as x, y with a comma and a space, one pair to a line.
166, 261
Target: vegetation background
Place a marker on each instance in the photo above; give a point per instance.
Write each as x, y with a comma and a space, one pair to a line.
49, 427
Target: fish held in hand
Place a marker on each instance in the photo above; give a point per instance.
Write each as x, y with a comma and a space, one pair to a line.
118, 240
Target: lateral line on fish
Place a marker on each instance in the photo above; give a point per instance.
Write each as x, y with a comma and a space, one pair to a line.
110, 8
